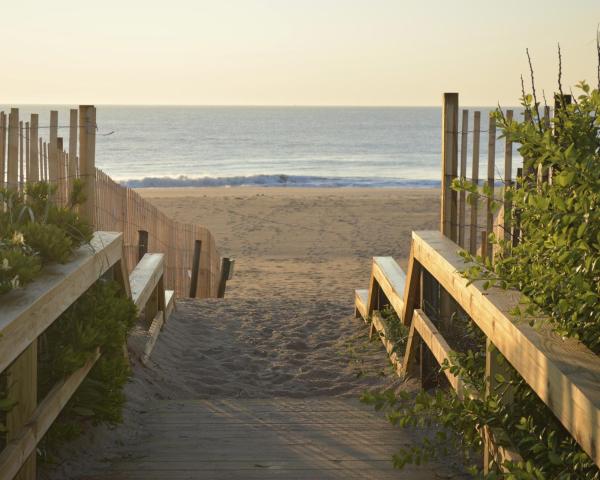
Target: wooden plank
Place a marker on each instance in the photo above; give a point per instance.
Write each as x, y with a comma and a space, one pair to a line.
12, 165
87, 160
153, 331
21, 176
169, 303
508, 182
53, 167
412, 288
473, 235
391, 279
22, 389
563, 372
491, 166
23, 446
3, 131
225, 266
361, 297
449, 165
195, 268
26, 313
145, 277
463, 175
381, 327
27, 151
439, 348
73, 166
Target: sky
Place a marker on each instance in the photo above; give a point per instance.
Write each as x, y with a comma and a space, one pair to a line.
290, 52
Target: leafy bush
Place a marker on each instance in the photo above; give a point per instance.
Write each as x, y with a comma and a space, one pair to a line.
556, 265
35, 231
100, 318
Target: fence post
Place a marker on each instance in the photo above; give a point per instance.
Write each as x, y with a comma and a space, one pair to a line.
22, 381
87, 160
72, 144
490, 180
225, 268
463, 175
12, 166
53, 170
142, 243
195, 268
33, 174
475, 179
449, 165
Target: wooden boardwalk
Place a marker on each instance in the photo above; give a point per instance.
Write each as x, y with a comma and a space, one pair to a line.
262, 439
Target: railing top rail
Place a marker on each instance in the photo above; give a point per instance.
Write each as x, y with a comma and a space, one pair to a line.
563, 372
26, 313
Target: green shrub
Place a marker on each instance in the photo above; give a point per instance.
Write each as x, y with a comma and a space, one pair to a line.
556, 265
35, 231
100, 318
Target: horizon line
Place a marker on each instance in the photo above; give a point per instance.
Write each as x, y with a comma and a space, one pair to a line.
183, 105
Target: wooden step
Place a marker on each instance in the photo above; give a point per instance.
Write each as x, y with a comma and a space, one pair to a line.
360, 303
391, 279
169, 303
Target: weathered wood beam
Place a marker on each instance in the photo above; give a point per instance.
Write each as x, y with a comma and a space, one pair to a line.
26, 313
563, 372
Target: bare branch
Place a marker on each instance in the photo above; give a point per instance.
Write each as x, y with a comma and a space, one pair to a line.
535, 101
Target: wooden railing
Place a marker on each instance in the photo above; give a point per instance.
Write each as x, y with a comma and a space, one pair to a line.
27, 313
563, 372
191, 256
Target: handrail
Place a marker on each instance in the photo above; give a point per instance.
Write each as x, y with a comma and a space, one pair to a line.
564, 373
28, 312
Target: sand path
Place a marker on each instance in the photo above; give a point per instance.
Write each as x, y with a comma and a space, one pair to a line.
284, 343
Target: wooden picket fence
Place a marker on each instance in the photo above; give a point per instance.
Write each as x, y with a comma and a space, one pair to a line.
432, 293
192, 262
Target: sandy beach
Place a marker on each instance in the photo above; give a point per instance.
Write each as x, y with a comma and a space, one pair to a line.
286, 329
305, 242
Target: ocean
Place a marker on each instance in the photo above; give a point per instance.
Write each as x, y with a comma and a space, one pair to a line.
145, 146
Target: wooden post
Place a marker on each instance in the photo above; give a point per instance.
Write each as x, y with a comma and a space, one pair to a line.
142, 244
225, 266
12, 166
33, 174
463, 175
484, 244
22, 389
490, 179
53, 170
195, 269
73, 168
87, 160
508, 183
2, 147
27, 151
495, 366
449, 165
475, 179
44, 159
21, 177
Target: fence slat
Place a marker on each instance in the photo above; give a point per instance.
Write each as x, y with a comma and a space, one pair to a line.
53, 148
12, 166
475, 179
463, 174
490, 179
449, 165
33, 174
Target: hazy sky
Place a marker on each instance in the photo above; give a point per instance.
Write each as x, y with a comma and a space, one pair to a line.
289, 52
